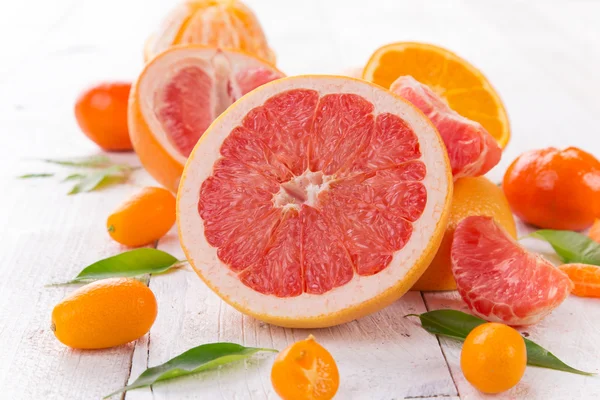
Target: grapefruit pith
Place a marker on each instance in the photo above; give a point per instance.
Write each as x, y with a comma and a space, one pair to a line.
176, 97
501, 281
314, 200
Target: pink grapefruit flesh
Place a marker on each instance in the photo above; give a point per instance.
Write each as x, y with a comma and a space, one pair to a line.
499, 280
313, 187
471, 149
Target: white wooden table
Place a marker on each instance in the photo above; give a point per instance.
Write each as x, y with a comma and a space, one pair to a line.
543, 57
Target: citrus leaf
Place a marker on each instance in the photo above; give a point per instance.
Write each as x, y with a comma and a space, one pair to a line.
572, 247
457, 325
129, 264
197, 359
102, 178
82, 162
74, 177
40, 175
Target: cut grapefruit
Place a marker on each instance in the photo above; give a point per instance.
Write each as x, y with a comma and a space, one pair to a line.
314, 200
225, 24
177, 96
499, 280
459, 83
471, 149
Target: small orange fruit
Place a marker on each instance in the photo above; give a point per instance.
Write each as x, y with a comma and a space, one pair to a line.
472, 196
305, 370
105, 313
493, 357
554, 189
585, 278
144, 218
595, 231
101, 112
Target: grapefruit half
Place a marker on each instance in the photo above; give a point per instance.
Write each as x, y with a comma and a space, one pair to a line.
177, 96
314, 200
501, 281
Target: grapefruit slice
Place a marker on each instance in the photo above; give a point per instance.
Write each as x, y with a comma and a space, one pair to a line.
453, 78
499, 280
177, 96
471, 149
314, 200
226, 24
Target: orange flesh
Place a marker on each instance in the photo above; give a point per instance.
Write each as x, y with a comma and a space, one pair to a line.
303, 199
585, 278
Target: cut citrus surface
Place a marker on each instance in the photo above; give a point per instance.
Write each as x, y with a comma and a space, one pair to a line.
586, 279
225, 24
595, 230
460, 84
471, 196
499, 280
471, 149
314, 200
178, 95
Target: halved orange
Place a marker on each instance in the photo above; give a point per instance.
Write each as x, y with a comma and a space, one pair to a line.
465, 89
177, 96
216, 23
314, 200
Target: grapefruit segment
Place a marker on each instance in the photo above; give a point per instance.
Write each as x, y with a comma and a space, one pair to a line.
471, 149
178, 95
289, 213
499, 280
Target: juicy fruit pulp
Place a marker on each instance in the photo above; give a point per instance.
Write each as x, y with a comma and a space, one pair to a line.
336, 196
471, 149
585, 278
217, 23
196, 94
499, 280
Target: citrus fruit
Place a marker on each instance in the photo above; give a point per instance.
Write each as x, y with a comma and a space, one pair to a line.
471, 149
227, 24
554, 189
466, 90
144, 218
493, 357
101, 113
595, 230
305, 370
105, 313
499, 280
472, 196
178, 95
314, 200
585, 278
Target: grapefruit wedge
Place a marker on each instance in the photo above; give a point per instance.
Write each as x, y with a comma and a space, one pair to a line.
314, 200
177, 96
499, 280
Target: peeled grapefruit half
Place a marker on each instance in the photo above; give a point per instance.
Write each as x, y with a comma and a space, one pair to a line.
176, 97
501, 281
314, 200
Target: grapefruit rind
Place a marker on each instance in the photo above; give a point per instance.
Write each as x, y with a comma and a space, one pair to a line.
363, 294
158, 155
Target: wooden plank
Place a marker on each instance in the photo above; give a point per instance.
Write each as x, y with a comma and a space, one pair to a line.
372, 353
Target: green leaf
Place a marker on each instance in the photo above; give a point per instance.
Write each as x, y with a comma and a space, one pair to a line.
74, 177
132, 263
102, 178
572, 247
82, 162
40, 175
457, 325
197, 359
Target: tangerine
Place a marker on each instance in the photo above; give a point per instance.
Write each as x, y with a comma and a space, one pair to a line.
305, 370
554, 189
145, 217
105, 313
595, 231
493, 357
585, 278
101, 112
